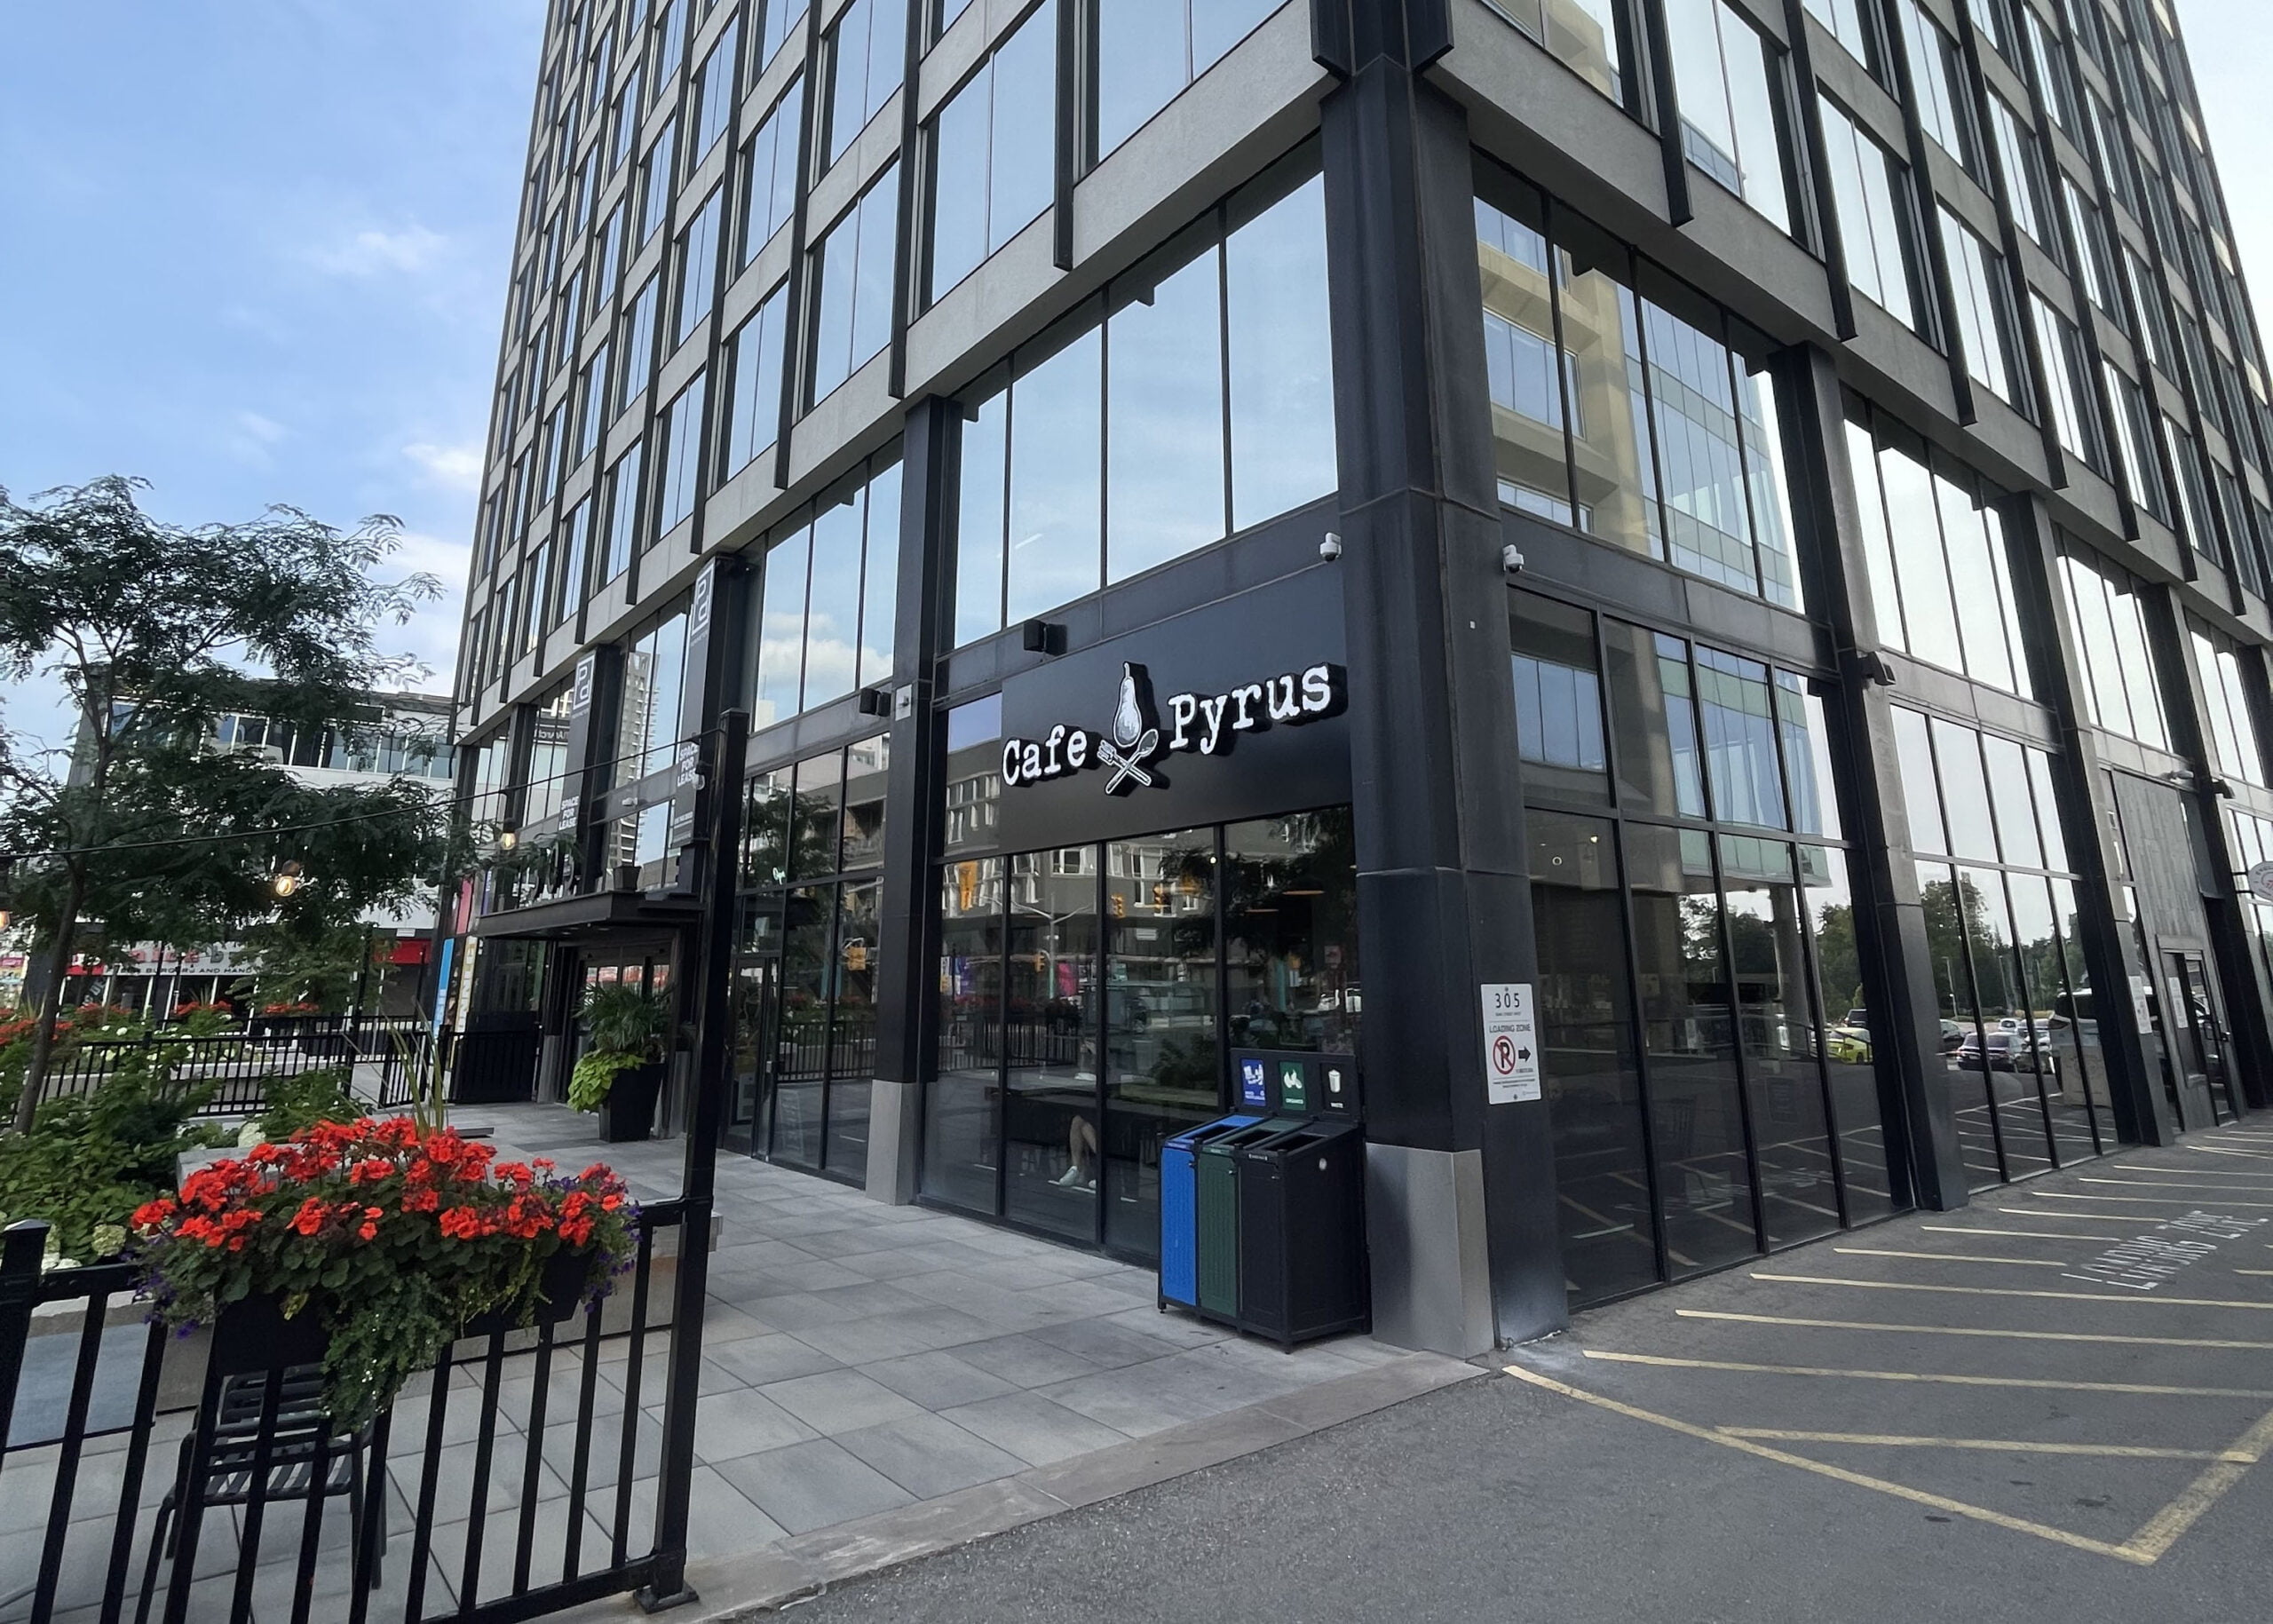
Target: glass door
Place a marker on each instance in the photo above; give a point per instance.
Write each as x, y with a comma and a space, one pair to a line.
2201, 1035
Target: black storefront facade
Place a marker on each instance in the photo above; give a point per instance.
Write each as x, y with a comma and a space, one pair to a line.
1863, 819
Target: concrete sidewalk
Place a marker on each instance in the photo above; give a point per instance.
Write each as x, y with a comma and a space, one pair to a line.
881, 1381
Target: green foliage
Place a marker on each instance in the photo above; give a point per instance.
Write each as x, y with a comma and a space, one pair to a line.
595, 1074
617, 1015
91, 1159
302, 1099
307, 962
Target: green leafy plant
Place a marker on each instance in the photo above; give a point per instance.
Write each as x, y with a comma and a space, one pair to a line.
627, 1029
394, 1237
298, 1100
90, 1159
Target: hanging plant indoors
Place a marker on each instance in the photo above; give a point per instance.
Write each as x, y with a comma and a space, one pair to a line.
395, 1237
622, 1072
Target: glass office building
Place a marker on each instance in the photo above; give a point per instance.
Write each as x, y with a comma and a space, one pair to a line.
1243, 527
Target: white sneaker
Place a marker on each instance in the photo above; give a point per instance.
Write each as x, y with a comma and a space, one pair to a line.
1069, 1179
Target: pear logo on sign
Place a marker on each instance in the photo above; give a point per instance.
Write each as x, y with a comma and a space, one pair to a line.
1201, 723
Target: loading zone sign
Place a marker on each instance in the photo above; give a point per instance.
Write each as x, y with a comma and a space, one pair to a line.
1510, 1042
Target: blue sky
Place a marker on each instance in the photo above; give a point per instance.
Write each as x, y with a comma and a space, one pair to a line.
256, 250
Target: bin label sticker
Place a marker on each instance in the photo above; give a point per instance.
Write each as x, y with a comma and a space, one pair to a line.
1293, 1087
1510, 1042
1252, 1089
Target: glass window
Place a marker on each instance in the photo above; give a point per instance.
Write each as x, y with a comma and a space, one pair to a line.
1529, 446
1974, 540
1845, 20
591, 412
698, 266
801, 1062
993, 150
638, 344
570, 581
1935, 69
1056, 478
783, 18
1290, 938
1164, 417
1965, 792
853, 1024
2064, 371
1146, 52
665, 680
853, 271
1777, 1035
833, 602
623, 513
1653, 721
1708, 525
1280, 361
962, 1103
880, 577
1585, 1033
867, 57
867, 779
2008, 779
1872, 187
1928, 612
770, 172
1730, 80
1977, 273
715, 89
978, 521
1689, 1046
2225, 695
1160, 1014
2007, 1057
682, 454
2024, 165
1856, 1115
1558, 699
1740, 739
1921, 794
782, 629
1807, 755
1052, 1148
756, 418
656, 172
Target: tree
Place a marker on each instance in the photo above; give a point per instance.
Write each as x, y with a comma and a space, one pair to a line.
153, 630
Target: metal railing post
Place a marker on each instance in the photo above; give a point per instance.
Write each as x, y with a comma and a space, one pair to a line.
706, 1115
21, 1246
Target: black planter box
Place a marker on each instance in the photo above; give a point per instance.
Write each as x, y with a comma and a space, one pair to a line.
629, 1111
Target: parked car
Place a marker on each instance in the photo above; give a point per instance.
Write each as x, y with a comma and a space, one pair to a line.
1850, 1045
1999, 1051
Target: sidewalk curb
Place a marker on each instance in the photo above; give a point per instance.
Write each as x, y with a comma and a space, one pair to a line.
763, 1581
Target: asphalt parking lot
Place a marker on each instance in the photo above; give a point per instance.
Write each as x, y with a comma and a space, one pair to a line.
2053, 1403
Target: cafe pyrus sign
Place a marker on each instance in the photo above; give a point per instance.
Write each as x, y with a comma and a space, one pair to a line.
1128, 754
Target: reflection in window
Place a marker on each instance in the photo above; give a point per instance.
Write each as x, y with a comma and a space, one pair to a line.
1845, 20
866, 48
638, 344
1730, 80
1935, 69
784, 21
682, 455
1581, 34
755, 419
2225, 693
1558, 699
1976, 285
1146, 52
1873, 187
993, 153
2122, 684
1644, 387
1031, 533
715, 89
698, 266
648, 712
622, 513
770, 172
826, 612
852, 269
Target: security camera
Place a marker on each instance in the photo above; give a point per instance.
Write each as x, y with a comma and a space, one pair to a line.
1330, 548
1511, 559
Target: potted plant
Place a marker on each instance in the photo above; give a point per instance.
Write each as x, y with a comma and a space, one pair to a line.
380, 1242
622, 1074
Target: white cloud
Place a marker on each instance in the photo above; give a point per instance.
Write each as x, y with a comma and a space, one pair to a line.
368, 253
250, 435
456, 468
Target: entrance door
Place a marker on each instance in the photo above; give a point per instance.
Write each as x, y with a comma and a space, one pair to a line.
2199, 1044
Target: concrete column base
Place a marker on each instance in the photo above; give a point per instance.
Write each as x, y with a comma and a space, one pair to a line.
1432, 1272
895, 1130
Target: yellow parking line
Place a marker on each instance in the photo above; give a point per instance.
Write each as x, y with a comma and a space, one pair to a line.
2030, 1234
1970, 1330
1939, 1502
1933, 1378
2002, 1445
1956, 1257
2161, 1531
2013, 1291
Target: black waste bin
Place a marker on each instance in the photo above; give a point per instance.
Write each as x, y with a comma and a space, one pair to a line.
1301, 1232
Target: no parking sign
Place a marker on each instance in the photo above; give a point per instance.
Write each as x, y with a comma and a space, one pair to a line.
1510, 1043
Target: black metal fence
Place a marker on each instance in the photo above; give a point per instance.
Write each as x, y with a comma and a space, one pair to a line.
383, 1057
193, 1479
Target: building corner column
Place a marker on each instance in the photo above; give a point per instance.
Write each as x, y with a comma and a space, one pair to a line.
907, 949
1460, 1195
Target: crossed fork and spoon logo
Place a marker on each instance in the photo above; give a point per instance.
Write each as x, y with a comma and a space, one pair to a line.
1136, 737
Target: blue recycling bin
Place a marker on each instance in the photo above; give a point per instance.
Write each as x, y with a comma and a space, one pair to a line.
1180, 1208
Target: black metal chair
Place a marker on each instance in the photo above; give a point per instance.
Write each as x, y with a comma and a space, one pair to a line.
264, 1437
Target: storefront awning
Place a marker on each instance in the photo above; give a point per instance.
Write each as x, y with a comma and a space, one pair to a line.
596, 915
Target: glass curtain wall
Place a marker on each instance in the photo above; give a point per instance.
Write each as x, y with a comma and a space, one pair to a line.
805, 1008
1089, 995
1709, 1067
1624, 405
2017, 1032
